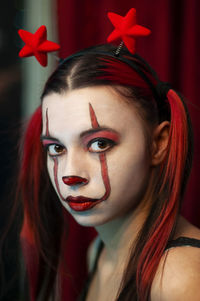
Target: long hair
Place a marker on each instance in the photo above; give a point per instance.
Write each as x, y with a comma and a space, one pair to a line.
43, 216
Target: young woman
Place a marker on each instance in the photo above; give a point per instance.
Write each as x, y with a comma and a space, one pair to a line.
116, 144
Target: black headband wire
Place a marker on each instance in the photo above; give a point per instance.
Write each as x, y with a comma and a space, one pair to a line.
159, 91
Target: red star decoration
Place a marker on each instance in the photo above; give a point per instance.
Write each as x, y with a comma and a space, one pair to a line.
37, 45
127, 29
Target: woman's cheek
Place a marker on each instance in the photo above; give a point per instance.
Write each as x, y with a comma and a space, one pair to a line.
127, 168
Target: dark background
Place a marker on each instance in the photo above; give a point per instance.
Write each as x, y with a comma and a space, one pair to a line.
11, 17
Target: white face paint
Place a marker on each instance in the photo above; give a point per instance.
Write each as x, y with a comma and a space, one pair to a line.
119, 145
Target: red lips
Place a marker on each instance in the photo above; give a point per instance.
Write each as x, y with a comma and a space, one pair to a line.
81, 203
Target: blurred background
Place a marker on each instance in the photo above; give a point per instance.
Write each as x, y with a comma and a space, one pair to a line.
172, 50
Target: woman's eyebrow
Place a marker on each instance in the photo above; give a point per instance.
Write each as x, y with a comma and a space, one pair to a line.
96, 130
83, 134
44, 137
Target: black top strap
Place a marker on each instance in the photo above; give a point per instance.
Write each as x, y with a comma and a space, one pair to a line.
179, 242
183, 241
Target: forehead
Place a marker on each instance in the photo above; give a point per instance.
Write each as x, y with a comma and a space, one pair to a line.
70, 110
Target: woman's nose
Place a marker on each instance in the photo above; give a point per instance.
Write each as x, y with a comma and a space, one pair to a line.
74, 180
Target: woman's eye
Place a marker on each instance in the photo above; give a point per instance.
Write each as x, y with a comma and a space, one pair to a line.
100, 145
55, 149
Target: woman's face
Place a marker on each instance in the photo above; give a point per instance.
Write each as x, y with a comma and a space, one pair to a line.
96, 153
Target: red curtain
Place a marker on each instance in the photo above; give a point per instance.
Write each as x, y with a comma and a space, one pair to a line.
172, 50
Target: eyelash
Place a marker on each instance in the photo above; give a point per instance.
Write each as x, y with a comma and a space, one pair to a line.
110, 143
47, 147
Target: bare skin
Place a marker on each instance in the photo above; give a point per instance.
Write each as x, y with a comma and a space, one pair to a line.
180, 278
179, 281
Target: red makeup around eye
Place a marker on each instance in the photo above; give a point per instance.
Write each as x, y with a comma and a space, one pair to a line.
47, 141
101, 134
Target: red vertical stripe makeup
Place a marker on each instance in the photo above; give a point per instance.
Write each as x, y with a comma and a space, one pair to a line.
55, 172
82, 203
55, 168
47, 123
102, 157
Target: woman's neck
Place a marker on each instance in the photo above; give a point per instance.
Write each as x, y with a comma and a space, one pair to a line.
119, 235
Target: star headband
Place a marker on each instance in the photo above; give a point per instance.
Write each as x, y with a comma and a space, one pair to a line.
126, 29
37, 45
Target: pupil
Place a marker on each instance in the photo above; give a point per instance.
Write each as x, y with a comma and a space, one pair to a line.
58, 148
102, 144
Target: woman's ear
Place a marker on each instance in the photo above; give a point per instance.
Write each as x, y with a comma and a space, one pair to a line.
160, 142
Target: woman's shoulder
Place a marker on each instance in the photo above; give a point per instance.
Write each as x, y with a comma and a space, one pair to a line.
178, 274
